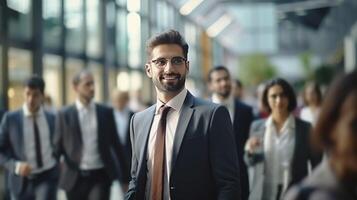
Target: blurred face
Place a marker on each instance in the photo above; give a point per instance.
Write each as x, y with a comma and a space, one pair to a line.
311, 96
85, 88
221, 83
120, 101
344, 155
167, 69
33, 99
277, 100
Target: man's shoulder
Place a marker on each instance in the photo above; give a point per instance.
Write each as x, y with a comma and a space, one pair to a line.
242, 106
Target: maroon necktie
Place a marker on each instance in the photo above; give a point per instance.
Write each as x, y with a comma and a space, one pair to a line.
158, 170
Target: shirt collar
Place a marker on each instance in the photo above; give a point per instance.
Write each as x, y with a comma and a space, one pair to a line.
80, 106
175, 103
27, 112
229, 102
288, 124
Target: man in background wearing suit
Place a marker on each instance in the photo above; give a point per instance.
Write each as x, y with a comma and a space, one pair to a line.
26, 150
220, 84
183, 147
122, 116
86, 138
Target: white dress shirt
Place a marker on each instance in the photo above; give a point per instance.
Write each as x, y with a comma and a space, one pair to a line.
29, 141
89, 128
171, 125
228, 103
122, 121
278, 151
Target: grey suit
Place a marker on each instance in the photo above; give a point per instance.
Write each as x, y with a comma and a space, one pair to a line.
12, 150
301, 156
204, 161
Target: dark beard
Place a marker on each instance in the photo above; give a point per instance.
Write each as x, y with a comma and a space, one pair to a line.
170, 87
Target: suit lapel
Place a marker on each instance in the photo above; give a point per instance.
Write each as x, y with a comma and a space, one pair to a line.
295, 161
145, 132
74, 120
182, 125
20, 120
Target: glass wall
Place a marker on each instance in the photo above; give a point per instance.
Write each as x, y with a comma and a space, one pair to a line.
52, 23
20, 19
73, 21
94, 47
52, 75
20, 69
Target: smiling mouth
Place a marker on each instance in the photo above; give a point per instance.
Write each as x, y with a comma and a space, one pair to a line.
170, 77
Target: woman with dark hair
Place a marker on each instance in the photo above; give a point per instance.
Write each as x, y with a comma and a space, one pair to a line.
278, 150
336, 133
312, 99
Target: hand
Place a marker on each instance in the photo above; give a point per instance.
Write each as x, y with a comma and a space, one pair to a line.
25, 169
253, 144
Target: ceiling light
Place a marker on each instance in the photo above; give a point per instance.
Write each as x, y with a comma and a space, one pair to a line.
189, 6
219, 25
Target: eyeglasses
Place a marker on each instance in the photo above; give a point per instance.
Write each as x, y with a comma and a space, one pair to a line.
175, 61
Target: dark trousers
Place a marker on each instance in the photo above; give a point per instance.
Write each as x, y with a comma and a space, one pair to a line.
91, 185
42, 186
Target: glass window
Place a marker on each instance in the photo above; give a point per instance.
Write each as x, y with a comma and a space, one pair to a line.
133, 5
134, 37
112, 75
97, 70
73, 20
94, 47
52, 23
123, 81
20, 19
73, 66
121, 2
121, 38
20, 69
52, 74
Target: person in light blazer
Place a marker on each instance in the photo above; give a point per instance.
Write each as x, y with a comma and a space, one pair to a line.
278, 150
197, 159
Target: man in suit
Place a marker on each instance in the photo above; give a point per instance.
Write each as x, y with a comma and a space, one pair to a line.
122, 116
220, 84
26, 150
183, 147
86, 138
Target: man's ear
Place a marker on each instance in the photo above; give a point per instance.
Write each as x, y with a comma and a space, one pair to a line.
148, 70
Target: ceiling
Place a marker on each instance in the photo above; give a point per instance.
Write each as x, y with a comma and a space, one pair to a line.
267, 26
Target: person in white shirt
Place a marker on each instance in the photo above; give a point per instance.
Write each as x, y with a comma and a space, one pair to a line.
278, 149
87, 140
26, 148
122, 116
312, 100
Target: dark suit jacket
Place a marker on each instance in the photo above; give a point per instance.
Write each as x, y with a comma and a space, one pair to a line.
302, 151
204, 161
243, 117
12, 145
68, 143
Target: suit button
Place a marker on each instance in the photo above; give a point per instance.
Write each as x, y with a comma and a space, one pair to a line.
172, 188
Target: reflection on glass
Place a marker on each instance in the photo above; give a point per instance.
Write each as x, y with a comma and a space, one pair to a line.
53, 78
134, 36
122, 41
73, 66
73, 19
51, 23
20, 19
133, 6
19, 70
93, 28
97, 70
123, 81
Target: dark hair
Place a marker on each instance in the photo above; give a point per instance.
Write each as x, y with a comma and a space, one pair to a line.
215, 69
238, 83
340, 90
287, 89
168, 37
316, 88
77, 78
35, 82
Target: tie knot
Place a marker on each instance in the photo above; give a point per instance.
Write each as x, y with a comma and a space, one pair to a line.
164, 110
